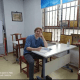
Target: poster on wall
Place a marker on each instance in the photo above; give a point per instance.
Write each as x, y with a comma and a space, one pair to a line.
48, 3
1, 33
16, 16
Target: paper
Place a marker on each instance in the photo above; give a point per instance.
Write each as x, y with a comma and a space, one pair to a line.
45, 50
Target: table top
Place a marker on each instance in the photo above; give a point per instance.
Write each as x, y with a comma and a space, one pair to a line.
55, 49
16, 42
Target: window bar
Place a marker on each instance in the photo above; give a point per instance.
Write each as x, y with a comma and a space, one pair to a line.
59, 9
79, 13
78, 18
69, 17
49, 19
52, 21
54, 25
57, 20
62, 20
61, 17
65, 19
44, 20
74, 18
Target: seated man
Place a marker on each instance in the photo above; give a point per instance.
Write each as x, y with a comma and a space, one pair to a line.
33, 43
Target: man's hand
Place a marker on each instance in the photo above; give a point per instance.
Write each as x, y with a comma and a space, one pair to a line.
39, 48
41, 35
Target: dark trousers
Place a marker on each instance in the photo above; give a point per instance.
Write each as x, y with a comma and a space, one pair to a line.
30, 59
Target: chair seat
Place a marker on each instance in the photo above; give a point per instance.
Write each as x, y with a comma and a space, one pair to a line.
24, 60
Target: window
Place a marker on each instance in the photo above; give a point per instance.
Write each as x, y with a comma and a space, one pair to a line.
51, 18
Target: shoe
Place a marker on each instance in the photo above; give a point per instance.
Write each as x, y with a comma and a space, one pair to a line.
48, 78
34, 79
38, 78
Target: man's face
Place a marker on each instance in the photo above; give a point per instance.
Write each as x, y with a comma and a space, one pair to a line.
38, 33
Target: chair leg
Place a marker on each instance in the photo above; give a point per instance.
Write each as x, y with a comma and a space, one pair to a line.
20, 66
42, 61
13, 51
27, 70
17, 52
50, 58
38, 65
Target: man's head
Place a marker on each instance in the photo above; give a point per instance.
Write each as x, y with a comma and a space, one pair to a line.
38, 31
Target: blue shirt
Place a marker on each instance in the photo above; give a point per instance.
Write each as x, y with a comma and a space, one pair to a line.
31, 41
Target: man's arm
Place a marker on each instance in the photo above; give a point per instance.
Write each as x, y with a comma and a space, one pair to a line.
45, 42
33, 49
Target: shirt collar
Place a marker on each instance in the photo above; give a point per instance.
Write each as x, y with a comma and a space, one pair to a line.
35, 38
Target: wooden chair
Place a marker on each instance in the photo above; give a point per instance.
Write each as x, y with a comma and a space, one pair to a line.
47, 36
14, 38
22, 59
65, 38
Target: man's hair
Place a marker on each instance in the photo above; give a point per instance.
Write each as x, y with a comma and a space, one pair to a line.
37, 29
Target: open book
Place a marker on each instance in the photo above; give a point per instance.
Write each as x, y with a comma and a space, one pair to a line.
44, 50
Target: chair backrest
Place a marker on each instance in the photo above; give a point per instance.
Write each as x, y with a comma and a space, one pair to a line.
73, 22
65, 38
21, 46
21, 51
16, 36
47, 36
75, 38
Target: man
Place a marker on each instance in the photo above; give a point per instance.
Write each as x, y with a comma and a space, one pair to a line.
33, 43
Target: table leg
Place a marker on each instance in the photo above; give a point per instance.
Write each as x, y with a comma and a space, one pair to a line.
79, 62
68, 51
43, 73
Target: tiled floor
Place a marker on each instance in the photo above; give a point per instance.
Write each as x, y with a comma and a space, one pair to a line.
8, 70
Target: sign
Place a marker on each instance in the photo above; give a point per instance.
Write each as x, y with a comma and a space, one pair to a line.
48, 3
66, 1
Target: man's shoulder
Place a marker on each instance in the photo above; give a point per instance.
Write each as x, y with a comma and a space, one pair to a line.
30, 36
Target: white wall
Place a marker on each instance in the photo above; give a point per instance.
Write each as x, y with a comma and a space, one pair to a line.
1, 35
12, 26
33, 16
0, 10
